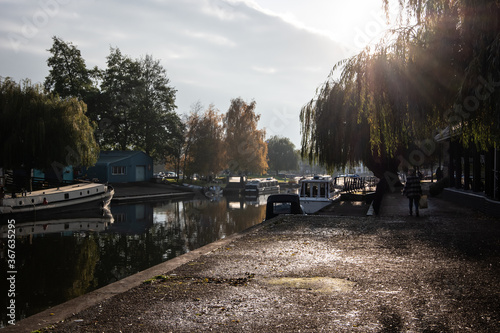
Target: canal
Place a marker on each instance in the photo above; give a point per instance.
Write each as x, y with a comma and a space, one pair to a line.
60, 260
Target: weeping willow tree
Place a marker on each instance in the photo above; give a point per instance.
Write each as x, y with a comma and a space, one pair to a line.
437, 69
477, 109
43, 131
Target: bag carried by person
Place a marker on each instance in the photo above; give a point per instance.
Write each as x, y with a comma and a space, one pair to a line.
423, 201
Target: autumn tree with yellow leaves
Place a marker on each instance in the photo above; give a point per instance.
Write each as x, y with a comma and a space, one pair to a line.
204, 143
245, 145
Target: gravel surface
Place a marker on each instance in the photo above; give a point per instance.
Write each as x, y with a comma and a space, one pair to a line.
324, 274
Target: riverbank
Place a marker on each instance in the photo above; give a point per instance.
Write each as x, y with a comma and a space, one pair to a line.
391, 273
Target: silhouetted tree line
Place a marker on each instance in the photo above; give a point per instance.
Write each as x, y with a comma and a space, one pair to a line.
129, 105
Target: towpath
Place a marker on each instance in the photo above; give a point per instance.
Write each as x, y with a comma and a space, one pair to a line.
388, 273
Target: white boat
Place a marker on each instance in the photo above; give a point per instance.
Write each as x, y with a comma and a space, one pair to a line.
72, 198
317, 193
256, 187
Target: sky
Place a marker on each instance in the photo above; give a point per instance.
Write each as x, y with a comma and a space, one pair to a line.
274, 52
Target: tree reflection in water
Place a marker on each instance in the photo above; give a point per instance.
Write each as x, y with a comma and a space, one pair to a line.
55, 267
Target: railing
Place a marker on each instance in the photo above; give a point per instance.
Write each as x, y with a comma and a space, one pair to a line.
352, 184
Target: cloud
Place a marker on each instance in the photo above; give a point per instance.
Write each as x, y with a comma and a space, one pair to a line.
224, 10
211, 38
213, 50
265, 70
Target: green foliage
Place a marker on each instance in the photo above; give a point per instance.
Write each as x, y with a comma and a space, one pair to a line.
439, 68
69, 76
281, 154
118, 112
135, 105
137, 108
158, 125
158, 278
463, 47
38, 130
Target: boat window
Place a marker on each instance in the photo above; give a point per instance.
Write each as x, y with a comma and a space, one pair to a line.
315, 191
306, 191
282, 208
322, 190
66, 195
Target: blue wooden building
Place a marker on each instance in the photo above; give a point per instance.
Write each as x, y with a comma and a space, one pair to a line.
121, 167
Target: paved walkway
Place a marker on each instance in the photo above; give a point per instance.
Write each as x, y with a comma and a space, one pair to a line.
388, 273
397, 205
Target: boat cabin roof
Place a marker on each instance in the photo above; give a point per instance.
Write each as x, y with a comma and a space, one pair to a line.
258, 180
317, 179
63, 189
278, 204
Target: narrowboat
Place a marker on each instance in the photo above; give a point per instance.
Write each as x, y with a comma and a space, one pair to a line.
46, 203
256, 187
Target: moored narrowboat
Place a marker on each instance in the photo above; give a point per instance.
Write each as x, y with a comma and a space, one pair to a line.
45, 203
256, 187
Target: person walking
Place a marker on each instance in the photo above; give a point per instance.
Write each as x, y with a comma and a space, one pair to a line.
413, 191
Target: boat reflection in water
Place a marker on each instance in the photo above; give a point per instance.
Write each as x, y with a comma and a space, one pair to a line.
62, 259
39, 228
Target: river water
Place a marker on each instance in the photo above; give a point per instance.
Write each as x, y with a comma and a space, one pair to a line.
59, 260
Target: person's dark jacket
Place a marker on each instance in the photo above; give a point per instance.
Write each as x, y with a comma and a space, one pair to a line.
412, 187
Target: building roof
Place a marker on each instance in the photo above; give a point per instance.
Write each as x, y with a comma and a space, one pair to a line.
108, 157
